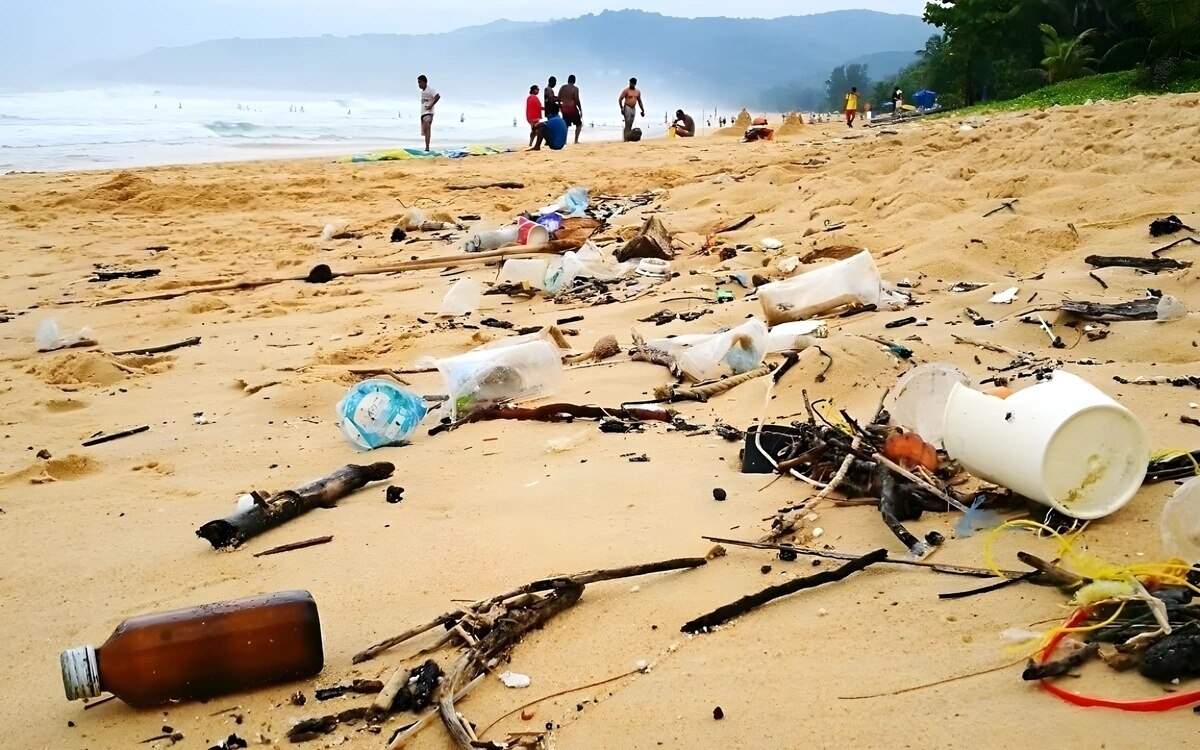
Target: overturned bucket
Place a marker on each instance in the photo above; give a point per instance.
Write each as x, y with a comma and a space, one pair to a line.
1062, 443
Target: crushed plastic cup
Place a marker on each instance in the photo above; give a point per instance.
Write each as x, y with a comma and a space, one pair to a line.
528, 272
1062, 443
378, 413
733, 352
1170, 308
918, 400
462, 299
854, 280
49, 339
531, 233
586, 263
485, 377
796, 336
1180, 526
493, 240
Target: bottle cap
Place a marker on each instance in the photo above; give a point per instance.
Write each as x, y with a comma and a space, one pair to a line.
81, 673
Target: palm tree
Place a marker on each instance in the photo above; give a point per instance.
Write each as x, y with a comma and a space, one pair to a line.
1067, 58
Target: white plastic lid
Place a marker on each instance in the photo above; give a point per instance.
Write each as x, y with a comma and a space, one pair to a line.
80, 672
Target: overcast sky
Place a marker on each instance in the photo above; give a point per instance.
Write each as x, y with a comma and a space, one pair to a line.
39, 33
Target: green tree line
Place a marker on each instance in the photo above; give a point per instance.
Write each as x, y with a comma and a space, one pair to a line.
999, 49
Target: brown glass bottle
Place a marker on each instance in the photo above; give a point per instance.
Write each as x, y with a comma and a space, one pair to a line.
201, 652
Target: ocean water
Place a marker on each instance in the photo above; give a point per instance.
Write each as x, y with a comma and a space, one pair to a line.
132, 127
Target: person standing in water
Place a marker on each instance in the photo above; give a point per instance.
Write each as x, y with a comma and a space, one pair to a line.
572, 106
630, 101
429, 100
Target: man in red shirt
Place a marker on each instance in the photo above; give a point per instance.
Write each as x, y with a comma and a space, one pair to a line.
533, 113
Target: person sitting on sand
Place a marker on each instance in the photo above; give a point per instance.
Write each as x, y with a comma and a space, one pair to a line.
533, 112
851, 106
553, 132
572, 106
630, 102
685, 126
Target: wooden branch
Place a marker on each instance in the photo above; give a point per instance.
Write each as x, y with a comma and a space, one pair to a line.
1051, 574
956, 570
507, 632
745, 604
295, 546
486, 185
643, 353
1004, 205
555, 413
1167, 247
194, 341
545, 584
98, 439
234, 530
736, 225
555, 247
888, 501
1153, 265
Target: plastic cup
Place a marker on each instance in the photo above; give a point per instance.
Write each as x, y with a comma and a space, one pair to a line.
1062, 443
531, 233
1181, 523
918, 400
530, 272
854, 280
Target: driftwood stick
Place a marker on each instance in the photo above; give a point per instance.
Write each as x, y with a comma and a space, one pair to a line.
390, 643
986, 345
644, 353
1004, 205
485, 185
555, 247
736, 225
401, 739
745, 604
235, 529
193, 341
97, 440
1165, 248
508, 631
887, 508
545, 584
295, 546
956, 570
555, 413
1153, 265
1051, 574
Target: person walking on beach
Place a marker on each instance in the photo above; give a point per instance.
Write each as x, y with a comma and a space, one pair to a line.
552, 106
851, 106
429, 100
630, 102
572, 106
533, 112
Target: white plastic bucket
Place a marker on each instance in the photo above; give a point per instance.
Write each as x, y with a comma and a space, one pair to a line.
854, 280
528, 271
918, 400
1062, 443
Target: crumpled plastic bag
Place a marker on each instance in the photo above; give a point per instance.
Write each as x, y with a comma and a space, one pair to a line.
49, 339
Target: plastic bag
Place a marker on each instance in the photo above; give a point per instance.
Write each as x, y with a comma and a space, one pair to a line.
48, 338
462, 299
377, 413
574, 202
731, 353
484, 377
586, 263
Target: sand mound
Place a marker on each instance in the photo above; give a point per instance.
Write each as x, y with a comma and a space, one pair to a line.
793, 125
64, 469
80, 369
739, 126
369, 351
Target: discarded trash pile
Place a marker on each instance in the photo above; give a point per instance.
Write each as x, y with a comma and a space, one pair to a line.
1030, 441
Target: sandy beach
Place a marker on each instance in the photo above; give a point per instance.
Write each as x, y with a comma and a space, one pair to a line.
92, 536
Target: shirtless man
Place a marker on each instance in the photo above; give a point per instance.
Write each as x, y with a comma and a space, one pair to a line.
429, 99
630, 102
572, 106
685, 125
552, 105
